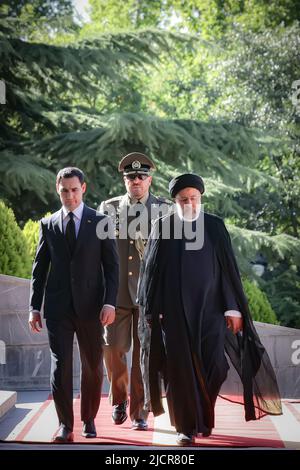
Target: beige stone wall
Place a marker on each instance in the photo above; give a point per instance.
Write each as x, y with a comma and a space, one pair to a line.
26, 356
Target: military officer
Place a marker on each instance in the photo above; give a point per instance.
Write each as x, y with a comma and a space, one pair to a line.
138, 204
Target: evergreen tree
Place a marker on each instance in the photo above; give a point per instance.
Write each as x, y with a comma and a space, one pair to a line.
85, 103
52, 93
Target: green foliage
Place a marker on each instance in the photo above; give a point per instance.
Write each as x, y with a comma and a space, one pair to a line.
53, 90
31, 234
37, 8
245, 79
208, 17
254, 76
128, 14
254, 82
14, 256
39, 18
276, 248
259, 304
215, 17
85, 96
282, 288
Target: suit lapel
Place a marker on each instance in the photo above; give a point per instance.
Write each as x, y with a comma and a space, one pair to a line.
57, 222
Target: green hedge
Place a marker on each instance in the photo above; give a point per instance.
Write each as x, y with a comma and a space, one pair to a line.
259, 304
31, 233
14, 254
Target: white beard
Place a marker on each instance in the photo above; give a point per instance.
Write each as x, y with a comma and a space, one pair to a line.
187, 212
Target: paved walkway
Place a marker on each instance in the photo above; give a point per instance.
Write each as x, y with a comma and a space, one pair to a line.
33, 420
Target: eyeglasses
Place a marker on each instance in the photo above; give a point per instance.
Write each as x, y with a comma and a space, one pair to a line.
136, 175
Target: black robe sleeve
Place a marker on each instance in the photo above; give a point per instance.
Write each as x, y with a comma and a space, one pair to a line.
246, 352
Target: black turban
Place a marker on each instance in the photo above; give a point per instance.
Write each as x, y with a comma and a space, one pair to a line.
188, 180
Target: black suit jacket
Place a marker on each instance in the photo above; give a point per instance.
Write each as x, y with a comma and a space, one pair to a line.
87, 280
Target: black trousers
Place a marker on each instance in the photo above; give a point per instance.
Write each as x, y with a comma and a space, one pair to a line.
90, 341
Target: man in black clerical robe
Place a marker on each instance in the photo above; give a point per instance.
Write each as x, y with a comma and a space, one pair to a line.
192, 299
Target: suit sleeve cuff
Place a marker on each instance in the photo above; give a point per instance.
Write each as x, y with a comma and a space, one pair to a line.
32, 310
233, 313
109, 305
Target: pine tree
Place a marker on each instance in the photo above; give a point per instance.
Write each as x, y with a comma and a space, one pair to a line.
54, 92
80, 103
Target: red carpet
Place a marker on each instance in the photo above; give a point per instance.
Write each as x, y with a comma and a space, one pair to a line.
231, 429
108, 432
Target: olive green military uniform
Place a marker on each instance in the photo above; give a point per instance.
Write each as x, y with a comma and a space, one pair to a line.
123, 332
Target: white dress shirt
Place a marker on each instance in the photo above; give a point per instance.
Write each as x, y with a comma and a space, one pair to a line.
77, 217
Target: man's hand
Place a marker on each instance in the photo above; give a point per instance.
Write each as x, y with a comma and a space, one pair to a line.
235, 324
107, 315
35, 322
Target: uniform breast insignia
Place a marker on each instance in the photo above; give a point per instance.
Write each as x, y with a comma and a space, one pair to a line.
140, 243
116, 221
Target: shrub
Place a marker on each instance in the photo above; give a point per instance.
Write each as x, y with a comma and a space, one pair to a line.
259, 304
31, 233
14, 254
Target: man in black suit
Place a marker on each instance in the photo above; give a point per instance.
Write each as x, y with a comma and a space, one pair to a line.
76, 267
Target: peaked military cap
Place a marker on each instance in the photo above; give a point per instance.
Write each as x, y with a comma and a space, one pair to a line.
136, 162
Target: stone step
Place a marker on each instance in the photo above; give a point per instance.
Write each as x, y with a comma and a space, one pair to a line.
7, 401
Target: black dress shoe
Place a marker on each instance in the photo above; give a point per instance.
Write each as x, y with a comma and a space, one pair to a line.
119, 414
207, 433
63, 435
139, 425
89, 429
184, 438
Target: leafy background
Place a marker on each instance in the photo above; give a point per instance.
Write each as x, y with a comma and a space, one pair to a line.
203, 86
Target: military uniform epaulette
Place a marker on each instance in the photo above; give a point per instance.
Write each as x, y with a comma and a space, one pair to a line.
113, 199
163, 200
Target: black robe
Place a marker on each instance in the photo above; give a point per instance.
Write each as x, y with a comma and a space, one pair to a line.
184, 295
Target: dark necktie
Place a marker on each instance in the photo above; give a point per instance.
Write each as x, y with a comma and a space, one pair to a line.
70, 233
139, 207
